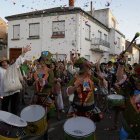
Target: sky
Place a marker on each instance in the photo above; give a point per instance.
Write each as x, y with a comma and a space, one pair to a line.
127, 12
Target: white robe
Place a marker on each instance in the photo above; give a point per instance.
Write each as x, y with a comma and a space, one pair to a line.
17, 64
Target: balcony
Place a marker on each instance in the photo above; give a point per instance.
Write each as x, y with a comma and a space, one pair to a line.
100, 45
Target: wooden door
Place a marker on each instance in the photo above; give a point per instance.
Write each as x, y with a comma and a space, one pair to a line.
15, 53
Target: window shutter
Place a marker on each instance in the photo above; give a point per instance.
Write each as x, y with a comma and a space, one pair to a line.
16, 31
58, 27
34, 29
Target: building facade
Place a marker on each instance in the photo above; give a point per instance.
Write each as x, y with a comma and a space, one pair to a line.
116, 38
133, 53
61, 30
3, 38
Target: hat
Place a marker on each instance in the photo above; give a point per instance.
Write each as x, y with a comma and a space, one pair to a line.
46, 55
79, 62
3, 59
82, 63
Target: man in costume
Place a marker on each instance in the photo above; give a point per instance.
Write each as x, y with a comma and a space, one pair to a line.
83, 87
131, 115
44, 81
13, 96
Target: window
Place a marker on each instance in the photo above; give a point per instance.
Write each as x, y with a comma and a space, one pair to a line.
34, 30
87, 31
16, 31
105, 37
100, 34
58, 29
119, 43
59, 56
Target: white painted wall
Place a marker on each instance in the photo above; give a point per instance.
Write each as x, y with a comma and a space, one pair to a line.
86, 44
102, 16
24, 35
105, 16
74, 36
60, 45
113, 39
136, 54
119, 48
110, 17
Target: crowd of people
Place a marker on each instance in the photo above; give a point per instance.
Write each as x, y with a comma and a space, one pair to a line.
56, 81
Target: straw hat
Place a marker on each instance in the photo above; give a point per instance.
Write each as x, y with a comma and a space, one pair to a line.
3, 59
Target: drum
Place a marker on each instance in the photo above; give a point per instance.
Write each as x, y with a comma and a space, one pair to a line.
115, 100
35, 116
11, 126
79, 128
9, 132
12, 119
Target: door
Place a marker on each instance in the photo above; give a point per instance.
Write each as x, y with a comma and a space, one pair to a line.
15, 53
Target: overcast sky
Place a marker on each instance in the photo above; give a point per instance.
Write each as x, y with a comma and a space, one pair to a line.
127, 12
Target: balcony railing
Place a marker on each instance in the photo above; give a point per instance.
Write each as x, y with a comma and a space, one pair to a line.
99, 41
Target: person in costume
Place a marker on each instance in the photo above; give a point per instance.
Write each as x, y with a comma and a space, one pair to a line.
57, 90
83, 87
44, 79
11, 97
41, 76
130, 89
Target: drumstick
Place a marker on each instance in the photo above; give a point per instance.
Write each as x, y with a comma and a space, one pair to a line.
136, 36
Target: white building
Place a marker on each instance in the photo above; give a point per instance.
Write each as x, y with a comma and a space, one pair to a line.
133, 53
116, 38
61, 30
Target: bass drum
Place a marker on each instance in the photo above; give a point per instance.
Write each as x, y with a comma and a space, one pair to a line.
11, 126
35, 116
115, 100
79, 128
8, 132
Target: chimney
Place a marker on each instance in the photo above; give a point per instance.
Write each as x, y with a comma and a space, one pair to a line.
71, 4
92, 9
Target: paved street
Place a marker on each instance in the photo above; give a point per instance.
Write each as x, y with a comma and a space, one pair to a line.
56, 131
56, 127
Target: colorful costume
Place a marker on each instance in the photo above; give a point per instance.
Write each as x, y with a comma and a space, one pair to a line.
131, 114
83, 103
